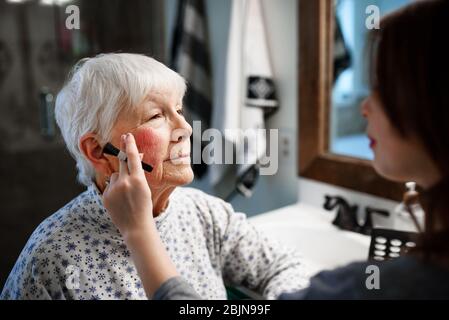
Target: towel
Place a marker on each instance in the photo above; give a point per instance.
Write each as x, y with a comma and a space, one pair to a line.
190, 57
250, 97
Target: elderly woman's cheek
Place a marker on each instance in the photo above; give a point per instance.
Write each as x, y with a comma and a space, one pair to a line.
151, 144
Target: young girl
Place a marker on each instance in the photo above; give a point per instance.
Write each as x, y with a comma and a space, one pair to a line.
408, 124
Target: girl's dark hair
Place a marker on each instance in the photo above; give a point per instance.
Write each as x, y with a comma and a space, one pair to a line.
409, 70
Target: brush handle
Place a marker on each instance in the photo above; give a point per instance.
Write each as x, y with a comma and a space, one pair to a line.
146, 166
113, 151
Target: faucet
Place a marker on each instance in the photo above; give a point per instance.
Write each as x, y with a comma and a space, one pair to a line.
346, 217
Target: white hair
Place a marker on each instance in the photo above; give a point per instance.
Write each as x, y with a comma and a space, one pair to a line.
98, 89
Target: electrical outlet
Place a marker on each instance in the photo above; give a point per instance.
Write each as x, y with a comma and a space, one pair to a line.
286, 146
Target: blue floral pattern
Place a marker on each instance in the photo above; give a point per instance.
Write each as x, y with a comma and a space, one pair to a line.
77, 253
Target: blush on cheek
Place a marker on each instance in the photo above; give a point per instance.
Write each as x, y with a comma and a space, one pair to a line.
149, 143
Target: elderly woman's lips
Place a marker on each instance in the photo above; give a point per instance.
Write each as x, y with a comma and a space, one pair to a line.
183, 155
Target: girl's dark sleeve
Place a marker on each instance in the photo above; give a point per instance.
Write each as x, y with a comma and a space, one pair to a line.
344, 283
176, 288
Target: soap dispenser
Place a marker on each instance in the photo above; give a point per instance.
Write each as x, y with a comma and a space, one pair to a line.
402, 219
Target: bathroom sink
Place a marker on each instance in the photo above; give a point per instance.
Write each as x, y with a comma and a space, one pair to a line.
311, 232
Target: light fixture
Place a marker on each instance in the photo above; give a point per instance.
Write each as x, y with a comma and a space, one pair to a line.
54, 2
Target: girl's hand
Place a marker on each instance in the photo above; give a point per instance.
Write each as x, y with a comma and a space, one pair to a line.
127, 197
128, 201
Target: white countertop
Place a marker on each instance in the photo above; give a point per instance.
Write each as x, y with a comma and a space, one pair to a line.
310, 230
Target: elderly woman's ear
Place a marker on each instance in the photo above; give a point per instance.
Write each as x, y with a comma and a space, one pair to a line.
91, 148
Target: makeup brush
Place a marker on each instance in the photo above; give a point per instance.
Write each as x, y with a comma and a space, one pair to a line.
113, 151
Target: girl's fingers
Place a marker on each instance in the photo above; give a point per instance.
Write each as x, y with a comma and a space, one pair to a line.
110, 181
113, 178
106, 189
132, 153
123, 167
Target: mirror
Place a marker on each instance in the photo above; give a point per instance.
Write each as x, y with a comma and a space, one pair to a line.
350, 79
324, 122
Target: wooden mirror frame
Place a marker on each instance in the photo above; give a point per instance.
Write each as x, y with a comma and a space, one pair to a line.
315, 84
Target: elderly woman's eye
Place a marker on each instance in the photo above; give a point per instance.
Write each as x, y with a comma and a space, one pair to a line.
181, 112
156, 116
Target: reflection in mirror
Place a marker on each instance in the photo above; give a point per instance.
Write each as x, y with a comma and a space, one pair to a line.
350, 87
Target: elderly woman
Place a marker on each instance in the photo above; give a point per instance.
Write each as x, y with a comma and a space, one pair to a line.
78, 252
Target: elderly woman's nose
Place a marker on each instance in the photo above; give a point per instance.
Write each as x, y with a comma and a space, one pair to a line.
182, 133
181, 123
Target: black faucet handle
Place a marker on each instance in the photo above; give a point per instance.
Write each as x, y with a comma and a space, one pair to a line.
330, 202
346, 217
367, 226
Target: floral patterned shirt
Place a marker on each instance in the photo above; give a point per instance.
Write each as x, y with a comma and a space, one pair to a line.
77, 253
